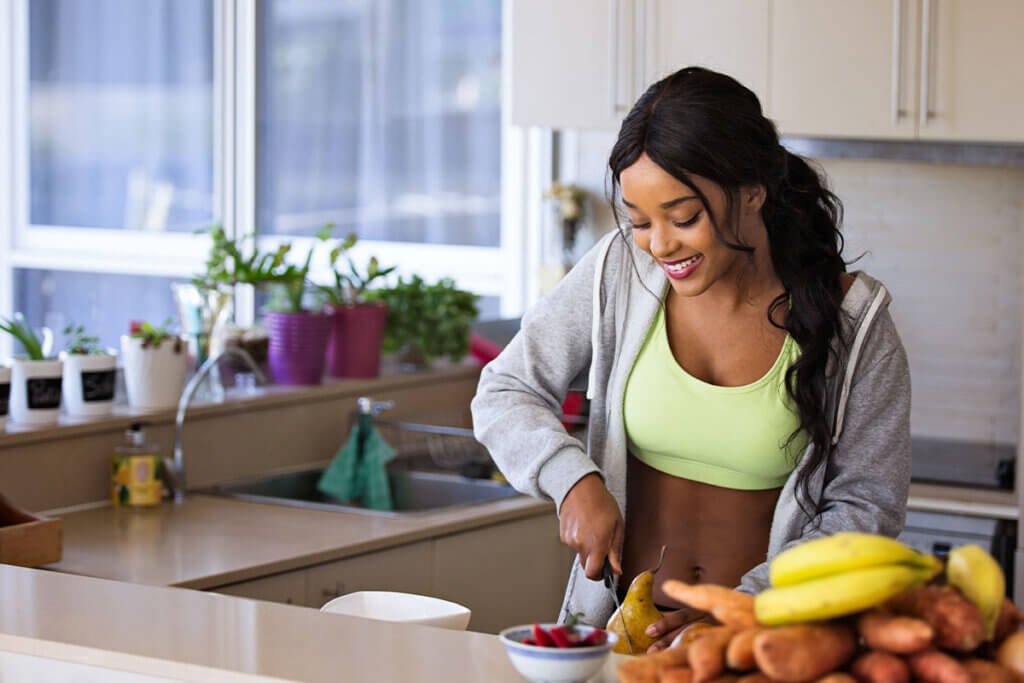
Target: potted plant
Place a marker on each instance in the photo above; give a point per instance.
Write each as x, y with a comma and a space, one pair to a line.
35, 377
426, 322
353, 349
155, 364
298, 336
89, 375
5, 394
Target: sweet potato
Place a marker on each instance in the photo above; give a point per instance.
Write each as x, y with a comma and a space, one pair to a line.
880, 667
1011, 654
956, 620
692, 632
638, 670
837, 677
932, 666
736, 618
706, 655
1008, 621
707, 596
804, 652
891, 633
756, 677
677, 675
984, 671
739, 653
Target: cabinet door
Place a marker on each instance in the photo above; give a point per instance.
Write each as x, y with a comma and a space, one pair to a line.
730, 36
974, 80
288, 587
507, 574
406, 569
844, 69
571, 62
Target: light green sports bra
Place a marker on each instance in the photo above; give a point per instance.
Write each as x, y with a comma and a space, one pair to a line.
732, 437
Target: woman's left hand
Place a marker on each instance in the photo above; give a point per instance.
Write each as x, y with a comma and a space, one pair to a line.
671, 625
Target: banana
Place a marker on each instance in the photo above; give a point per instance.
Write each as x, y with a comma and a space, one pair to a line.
840, 553
980, 578
836, 595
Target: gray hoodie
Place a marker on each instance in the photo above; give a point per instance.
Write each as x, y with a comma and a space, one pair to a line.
586, 334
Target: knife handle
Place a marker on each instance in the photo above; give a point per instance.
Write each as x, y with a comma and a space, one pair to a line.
608, 574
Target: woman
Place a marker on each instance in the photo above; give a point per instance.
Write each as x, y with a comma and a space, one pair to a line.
747, 394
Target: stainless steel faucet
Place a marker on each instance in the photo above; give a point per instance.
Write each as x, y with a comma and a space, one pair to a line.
176, 469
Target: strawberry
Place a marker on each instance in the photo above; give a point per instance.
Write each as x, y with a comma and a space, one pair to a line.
560, 634
595, 637
542, 637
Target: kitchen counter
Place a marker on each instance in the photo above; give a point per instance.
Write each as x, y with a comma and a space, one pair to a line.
196, 636
209, 541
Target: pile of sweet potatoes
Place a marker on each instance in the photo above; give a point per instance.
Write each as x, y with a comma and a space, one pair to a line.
931, 634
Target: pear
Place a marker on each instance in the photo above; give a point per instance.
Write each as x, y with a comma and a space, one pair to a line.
636, 613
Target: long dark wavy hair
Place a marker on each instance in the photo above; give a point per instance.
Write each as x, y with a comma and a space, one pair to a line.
704, 123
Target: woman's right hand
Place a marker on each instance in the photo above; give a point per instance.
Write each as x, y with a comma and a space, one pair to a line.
591, 524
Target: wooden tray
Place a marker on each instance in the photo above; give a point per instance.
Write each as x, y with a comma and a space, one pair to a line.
26, 539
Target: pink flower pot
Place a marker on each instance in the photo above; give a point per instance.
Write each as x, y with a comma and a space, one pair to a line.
356, 335
297, 343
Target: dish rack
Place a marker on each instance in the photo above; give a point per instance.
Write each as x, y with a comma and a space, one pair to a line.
416, 443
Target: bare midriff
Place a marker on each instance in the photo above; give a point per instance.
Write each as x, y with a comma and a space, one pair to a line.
712, 534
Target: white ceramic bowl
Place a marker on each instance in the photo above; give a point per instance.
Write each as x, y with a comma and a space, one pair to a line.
407, 608
554, 664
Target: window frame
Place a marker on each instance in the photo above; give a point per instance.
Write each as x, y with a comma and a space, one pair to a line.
505, 270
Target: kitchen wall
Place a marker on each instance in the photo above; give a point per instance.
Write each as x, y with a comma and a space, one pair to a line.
947, 242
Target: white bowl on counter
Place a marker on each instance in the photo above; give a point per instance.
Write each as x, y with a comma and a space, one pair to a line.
555, 664
407, 608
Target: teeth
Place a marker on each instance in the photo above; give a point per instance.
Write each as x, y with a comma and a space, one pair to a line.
681, 266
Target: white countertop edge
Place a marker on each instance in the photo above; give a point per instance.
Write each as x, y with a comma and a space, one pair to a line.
946, 505
122, 661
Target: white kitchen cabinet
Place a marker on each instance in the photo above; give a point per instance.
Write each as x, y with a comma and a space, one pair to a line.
583, 63
730, 36
843, 69
506, 574
286, 587
406, 569
900, 69
975, 81
572, 62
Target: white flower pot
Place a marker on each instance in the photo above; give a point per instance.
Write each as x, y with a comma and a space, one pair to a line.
88, 384
154, 377
35, 391
5, 394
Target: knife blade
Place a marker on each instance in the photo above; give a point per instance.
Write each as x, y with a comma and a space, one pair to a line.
609, 582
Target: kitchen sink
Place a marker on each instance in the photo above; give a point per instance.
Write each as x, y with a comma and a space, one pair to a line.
412, 492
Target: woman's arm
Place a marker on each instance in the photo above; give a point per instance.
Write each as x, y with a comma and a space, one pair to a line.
517, 409
868, 477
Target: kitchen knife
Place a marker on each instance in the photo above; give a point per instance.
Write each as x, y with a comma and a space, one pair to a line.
609, 583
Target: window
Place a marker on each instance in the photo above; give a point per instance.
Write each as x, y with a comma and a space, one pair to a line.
133, 123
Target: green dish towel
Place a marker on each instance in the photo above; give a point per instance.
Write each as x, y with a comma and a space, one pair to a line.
358, 470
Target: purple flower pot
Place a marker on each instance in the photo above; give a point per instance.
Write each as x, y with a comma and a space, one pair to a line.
356, 335
297, 343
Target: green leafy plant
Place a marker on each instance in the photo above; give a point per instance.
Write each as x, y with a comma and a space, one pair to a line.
289, 285
226, 265
435, 318
350, 288
152, 335
19, 328
80, 343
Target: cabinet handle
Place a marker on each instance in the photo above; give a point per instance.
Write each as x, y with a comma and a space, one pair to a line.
925, 113
614, 107
897, 62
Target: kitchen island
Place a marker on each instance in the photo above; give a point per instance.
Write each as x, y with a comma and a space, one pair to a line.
177, 634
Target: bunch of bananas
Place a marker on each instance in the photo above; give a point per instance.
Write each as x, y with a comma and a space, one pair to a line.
841, 574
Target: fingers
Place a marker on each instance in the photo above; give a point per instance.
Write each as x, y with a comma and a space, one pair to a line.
594, 565
615, 556
665, 642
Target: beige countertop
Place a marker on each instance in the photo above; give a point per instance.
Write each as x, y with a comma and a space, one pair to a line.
196, 636
209, 541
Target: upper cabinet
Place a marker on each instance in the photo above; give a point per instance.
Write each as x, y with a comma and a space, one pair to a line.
876, 69
903, 69
583, 63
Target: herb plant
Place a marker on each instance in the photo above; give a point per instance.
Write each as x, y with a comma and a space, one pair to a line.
80, 343
291, 282
19, 328
155, 335
350, 288
226, 265
435, 318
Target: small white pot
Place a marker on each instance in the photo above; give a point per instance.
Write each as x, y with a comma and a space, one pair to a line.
5, 394
35, 391
153, 377
88, 384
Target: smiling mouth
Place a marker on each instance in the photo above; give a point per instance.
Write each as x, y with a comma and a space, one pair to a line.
677, 267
